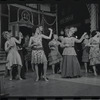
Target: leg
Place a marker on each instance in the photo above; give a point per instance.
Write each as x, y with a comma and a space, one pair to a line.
10, 74
94, 69
60, 65
19, 72
45, 70
85, 65
32, 67
37, 75
26, 64
53, 69
6, 72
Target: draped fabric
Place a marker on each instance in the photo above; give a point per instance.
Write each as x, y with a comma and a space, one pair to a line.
47, 22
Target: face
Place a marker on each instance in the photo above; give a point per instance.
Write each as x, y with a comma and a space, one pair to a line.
98, 33
60, 38
86, 36
8, 34
41, 28
27, 37
62, 32
37, 31
73, 29
66, 32
55, 37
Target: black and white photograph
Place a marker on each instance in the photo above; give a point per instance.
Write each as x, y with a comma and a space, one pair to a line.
50, 51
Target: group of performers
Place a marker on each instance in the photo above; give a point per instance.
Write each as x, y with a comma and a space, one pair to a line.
69, 64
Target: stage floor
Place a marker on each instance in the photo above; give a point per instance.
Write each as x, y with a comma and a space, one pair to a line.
87, 85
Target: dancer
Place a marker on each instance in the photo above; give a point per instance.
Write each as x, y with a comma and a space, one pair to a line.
13, 56
38, 55
94, 44
54, 56
85, 55
28, 53
21, 51
70, 65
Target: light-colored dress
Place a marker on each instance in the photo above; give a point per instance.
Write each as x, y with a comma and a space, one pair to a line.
54, 55
38, 55
70, 64
13, 56
94, 55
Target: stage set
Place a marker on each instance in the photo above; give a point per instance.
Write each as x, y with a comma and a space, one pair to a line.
25, 18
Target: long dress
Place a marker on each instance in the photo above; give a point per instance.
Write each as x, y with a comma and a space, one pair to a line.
94, 55
13, 56
54, 55
85, 54
38, 55
70, 65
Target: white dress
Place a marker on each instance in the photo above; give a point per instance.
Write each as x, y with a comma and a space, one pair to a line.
13, 56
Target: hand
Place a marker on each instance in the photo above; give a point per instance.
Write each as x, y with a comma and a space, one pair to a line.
84, 33
50, 29
20, 35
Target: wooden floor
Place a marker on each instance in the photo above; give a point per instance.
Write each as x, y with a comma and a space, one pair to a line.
86, 86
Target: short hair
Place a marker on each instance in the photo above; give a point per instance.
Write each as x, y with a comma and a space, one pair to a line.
9, 30
5, 34
93, 33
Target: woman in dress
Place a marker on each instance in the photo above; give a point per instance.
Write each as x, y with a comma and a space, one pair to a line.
13, 56
38, 55
94, 55
70, 65
54, 56
85, 55
28, 52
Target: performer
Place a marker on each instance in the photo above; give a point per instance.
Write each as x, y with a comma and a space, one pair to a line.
94, 55
54, 56
38, 55
70, 65
21, 51
85, 55
28, 53
13, 56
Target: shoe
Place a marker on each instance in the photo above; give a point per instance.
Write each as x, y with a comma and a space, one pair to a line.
46, 79
37, 79
10, 79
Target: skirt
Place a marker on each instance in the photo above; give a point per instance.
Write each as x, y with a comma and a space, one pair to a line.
13, 58
28, 56
94, 61
54, 57
38, 57
70, 67
85, 56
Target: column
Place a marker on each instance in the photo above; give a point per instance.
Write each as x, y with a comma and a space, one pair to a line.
38, 14
56, 21
0, 27
93, 17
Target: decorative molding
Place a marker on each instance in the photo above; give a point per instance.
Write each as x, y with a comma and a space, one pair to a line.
32, 10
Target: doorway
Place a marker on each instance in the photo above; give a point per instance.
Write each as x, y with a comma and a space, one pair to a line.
27, 54
25, 30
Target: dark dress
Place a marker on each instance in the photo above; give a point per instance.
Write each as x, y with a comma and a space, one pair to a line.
21, 51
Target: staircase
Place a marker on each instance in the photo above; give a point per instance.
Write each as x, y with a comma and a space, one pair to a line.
2, 72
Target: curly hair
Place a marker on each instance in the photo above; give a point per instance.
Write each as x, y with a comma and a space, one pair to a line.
5, 34
93, 33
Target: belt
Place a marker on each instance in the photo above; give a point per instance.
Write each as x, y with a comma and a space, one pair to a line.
37, 48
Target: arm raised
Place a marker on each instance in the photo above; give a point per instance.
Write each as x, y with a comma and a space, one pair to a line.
48, 37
